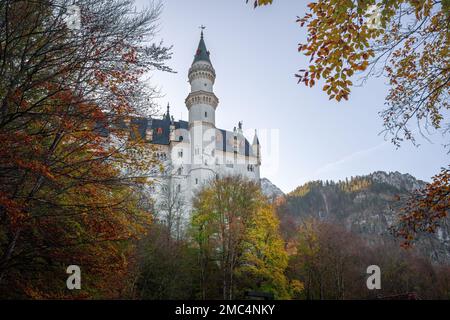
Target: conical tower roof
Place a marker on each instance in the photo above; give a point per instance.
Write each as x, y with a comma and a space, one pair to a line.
202, 54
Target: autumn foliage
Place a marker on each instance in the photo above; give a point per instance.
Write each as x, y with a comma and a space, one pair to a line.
405, 41
239, 244
69, 175
425, 210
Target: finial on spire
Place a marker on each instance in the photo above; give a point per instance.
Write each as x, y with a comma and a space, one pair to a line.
202, 54
203, 28
168, 111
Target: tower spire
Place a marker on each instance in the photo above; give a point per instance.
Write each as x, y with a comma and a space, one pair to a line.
168, 111
201, 33
255, 139
202, 54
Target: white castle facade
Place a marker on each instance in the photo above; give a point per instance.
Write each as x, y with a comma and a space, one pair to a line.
195, 151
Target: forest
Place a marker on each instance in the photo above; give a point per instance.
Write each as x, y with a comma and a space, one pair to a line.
72, 179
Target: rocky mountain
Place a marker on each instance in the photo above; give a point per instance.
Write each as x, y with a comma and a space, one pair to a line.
365, 205
270, 190
398, 180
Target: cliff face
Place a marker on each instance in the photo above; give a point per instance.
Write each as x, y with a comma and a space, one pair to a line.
366, 206
270, 190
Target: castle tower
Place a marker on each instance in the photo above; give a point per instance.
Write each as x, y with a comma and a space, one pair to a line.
201, 104
256, 148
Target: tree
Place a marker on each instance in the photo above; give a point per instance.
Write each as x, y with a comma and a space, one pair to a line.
170, 206
406, 41
68, 170
332, 264
234, 227
425, 209
325, 261
164, 269
264, 255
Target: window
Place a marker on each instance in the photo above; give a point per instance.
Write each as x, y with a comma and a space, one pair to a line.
180, 154
196, 181
179, 171
159, 131
213, 152
206, 114
178, 188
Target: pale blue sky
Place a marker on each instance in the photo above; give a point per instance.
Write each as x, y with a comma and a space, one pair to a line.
255, 56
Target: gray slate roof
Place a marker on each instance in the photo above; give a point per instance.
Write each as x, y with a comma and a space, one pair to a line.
161, 134
202, 53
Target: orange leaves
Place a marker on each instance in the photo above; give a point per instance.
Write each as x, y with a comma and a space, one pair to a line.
336, 45
15, 210
257, 3
342, 41
35, 166
425, 209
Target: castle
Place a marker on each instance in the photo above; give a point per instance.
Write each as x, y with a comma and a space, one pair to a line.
195, 151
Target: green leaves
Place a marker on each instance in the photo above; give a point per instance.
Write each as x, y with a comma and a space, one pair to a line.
236, 230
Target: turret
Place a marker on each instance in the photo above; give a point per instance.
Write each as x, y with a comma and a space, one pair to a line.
202, 102
256, 148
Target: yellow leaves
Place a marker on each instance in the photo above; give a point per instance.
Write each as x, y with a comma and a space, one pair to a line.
260, 3
264, 2
232, 217
297, 286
